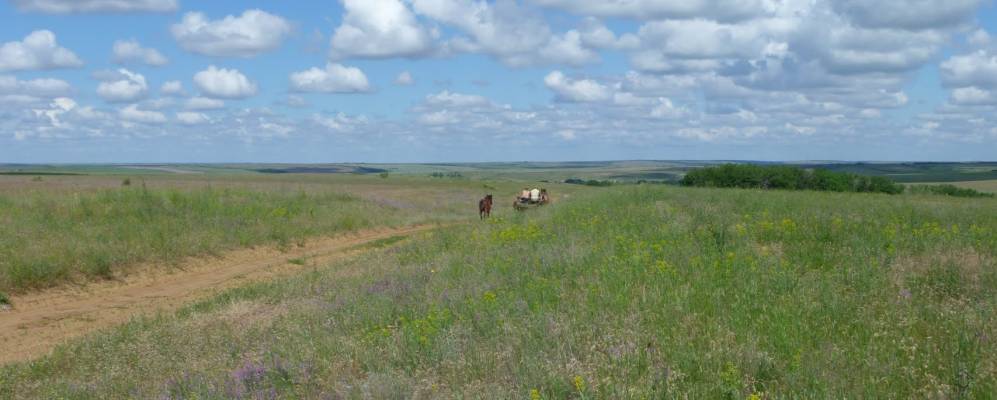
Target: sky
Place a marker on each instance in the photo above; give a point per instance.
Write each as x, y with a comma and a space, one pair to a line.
153, 81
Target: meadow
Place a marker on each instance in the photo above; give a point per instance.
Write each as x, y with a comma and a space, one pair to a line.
58, 229
620, 292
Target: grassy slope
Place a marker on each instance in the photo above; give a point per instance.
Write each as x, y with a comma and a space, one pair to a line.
627, 293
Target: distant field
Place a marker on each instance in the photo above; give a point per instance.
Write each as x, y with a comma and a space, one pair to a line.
621, 292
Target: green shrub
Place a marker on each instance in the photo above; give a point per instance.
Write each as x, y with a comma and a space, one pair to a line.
590, 182
947, 190
749, 176
4, 300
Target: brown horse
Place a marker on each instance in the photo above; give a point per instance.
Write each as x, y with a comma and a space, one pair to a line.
485, 207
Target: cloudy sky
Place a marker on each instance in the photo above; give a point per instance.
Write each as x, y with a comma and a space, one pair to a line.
504, 80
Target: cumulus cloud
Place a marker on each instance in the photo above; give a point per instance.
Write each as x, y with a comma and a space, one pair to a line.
250, 34
224, 83
192, 118
580, 90
95, 6
132, 113
972, 96
594, 34
130, 51
379, 29
724, 10
123, 86
38, 50
335, 78
43, 87
978, 68
404, 79
907, 14
172, 88
505, 30
204, 103
449, 99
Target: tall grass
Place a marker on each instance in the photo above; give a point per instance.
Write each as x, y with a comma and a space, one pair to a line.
46, 239
646, 292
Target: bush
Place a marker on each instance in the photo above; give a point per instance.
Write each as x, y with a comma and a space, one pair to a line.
4, 300
747, 176
126, 182
446, 175
947, 190
590, 182
383, 175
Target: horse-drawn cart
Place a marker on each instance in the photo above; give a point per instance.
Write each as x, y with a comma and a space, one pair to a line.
531, 198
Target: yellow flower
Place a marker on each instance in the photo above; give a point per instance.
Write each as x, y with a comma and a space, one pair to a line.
755, 396
534, 394
579, 383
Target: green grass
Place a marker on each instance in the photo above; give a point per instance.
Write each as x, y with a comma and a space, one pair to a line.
47, 239
625, 292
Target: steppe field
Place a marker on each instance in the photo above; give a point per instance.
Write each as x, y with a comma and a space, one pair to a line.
273, 282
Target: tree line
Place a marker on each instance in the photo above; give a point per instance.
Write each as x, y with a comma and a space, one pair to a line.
787, 177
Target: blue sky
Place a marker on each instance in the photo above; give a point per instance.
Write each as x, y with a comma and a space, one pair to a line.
506, 80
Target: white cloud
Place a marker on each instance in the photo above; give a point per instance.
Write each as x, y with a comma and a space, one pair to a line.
339, 122
975, 69
204, 103
567, 49
979, 37
907, 14
404, 79
192, 118
43, 87
55, 110
595, 34
38, 50
379, 29
172, 88
125, 86
250, 34
566, 134
224, 83
94, 6
505, 30
335, 78
133, 114
448, 99
664, 9
665, 109
295, 101
581, 90
130, 51
972, 95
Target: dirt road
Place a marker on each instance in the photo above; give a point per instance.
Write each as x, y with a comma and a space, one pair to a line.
40, 321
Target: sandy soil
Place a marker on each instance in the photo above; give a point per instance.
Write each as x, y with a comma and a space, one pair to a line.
40, 321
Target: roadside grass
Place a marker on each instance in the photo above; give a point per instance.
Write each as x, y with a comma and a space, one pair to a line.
49, 239
629, 292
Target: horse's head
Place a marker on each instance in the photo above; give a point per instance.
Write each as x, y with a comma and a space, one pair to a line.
489, 197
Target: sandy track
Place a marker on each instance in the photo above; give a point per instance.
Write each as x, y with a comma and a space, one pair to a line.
40, 321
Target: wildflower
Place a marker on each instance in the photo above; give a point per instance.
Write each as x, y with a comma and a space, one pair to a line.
579, 384
534, 394
755, 396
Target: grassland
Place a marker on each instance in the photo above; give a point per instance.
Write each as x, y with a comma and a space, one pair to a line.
58, 229
623, 292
